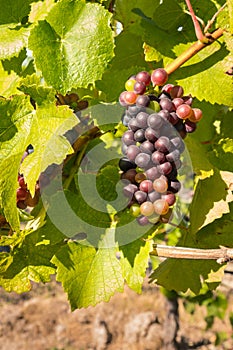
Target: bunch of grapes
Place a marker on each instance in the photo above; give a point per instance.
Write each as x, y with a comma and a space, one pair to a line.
152, 145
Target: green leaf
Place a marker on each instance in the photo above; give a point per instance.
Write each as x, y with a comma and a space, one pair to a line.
17, 64
73, 50
134, 263
31, 262
48, 125
183, 274
13, 40
39, 10
8, 82
13, 11
208, 191
89, 276
106, 182
18, 112
230, 11
194, 75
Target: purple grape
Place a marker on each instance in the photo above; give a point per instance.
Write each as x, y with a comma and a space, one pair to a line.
173, 156
152, 173
141, 119
153, 196
143, 220
190, 126
143, 77
165, 115
143, 101
166, 103
139, 135
142, 160
158, 157
155, 121
163, 144
128, 138
151, 134
132, 152
129, 190
125, 164
147, 147
165, 168
139, 87
140, 196
133, 125
174, 186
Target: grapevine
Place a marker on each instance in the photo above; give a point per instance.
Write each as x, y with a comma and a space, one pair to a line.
108, 109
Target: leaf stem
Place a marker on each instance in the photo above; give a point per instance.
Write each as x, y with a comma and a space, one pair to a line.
221, 255
200, 36
193, 50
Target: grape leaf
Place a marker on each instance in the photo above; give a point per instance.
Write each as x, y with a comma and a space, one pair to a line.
89, 276
204, 198
184, 274
48, 125
134, 262
31, 262
230, 8
40, 9
72, 50
18, 111
13, 11
214, 61
13, 40
8, 82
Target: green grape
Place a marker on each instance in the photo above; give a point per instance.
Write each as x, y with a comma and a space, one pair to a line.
129, 85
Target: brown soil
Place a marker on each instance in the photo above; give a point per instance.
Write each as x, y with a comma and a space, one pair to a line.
42, 320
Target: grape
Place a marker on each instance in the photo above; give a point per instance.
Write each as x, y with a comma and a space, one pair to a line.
164, 114
142, 160
139, 135
160, 185
177, 101
139, 88
129, 85
184, 111
132, 152
22, 182
178, 143
21, 194
122, 99
167, 104
129, 190
133, 110
125, 120
153, 196
128, 138
155, 121
174, 186
140, 196
139, 177
129, 175
152, 173
161, 206
173, 118
170, 198
124, 148
130, 97
197, 115
176, 91
152, 97
21, 204
153, 219
133, 125
163, 144
146, 186
147, 147
173, 156
143, 220
188, 100
159, 77
143, 101
151, 134
125, 164
167, 217
190, 126
165, 168
141, 119
158, 157
143, 77
135, 210
167, 88
147, 208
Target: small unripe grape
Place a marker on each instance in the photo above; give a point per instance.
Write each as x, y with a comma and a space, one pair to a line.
135, 210
159, 77
140, 177
147, 208
129, 85
161, 207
